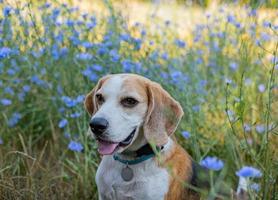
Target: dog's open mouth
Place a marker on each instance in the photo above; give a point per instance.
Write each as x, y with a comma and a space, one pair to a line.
108, 147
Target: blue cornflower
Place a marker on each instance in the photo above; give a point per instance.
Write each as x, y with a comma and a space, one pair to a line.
233, 66
261, 88
67, 135
62, 123
55, 52
125, 37
253, 12
114, 55
64, 51
164, 56
185, 134
196, 108
260, 128
92, 23
7, 11
80, 98
36, 80
212, 163
75, 146
164, 75
228, 81
75, 115
14, 119
98, 68
266, 24
248, 171
61, 110
69, 101
255, 186
1, 141
55, 13
180, 43
26, 88
84, 56
127, 65
247, 127
9, 90
143, 32
248, 81
102, 50
6, 102
70, 22
5, 52
265, 36
231, 19
21, 96
11, 72
87, 45
137, 43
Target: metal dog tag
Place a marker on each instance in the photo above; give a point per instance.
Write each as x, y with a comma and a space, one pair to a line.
127, 173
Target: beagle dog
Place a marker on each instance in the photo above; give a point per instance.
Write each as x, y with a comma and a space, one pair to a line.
132, 119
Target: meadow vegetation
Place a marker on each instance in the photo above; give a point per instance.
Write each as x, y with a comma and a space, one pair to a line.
222, 69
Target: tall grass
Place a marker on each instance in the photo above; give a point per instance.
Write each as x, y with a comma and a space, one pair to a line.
224, 74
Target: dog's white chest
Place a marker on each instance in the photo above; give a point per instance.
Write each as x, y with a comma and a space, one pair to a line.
149, 181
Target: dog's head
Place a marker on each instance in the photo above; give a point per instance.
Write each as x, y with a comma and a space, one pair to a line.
128, 110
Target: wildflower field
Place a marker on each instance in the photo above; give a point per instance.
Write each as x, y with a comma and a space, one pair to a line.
219, 62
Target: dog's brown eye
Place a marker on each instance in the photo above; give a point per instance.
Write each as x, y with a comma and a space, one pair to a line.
99, 98
129, 102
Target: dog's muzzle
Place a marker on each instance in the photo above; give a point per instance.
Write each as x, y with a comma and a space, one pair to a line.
106, 147
98, 125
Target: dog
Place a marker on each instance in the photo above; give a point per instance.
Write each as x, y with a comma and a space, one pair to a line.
132, 120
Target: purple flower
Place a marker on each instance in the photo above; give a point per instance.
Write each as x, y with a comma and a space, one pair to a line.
212, 163
247, 127
67, 135
1, 141
255, 186
114, 55
87, 45
248, 81
228, 81
265, 36
261, 88
180, 43
248, 171
5, 52
14, 119
7, 11
84, 56
233, 66
68, 101
36, 80
6, 102
63, 123
26, 88
75, 146
9, 90
97, 68
185, 134
75, 115
260, 128
231, 19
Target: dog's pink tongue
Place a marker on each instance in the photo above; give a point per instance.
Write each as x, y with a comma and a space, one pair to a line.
106, 148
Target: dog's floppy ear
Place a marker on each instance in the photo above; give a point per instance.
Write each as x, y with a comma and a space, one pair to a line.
90, 101
163, 115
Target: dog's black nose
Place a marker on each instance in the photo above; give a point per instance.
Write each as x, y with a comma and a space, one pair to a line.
98, 125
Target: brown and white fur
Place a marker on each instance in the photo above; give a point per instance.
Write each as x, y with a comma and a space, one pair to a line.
156, 116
